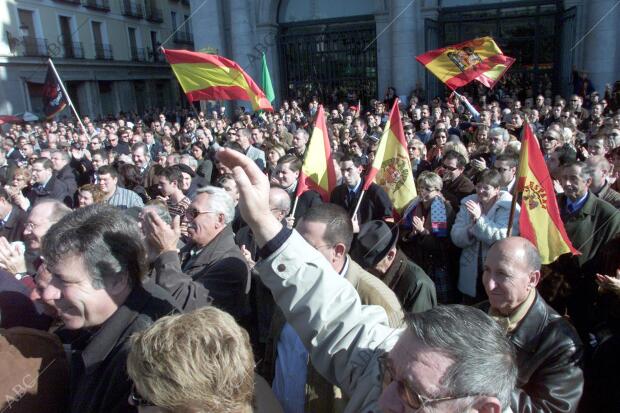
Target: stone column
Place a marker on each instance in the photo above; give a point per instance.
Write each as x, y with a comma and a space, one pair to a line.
242, 37
600, 52
384, 54
207, 27
403, 27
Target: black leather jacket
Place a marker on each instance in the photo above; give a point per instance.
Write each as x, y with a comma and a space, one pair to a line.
549, 354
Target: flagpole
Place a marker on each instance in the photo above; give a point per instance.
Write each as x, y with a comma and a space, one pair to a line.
359, 202
294, 206
515, 188
62, 86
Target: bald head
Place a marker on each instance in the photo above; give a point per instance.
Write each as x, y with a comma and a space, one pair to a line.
279, 202
511, 273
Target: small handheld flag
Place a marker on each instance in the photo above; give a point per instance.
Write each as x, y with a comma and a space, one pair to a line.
540, 220
391, 168
318, 171
210, 77
457, 65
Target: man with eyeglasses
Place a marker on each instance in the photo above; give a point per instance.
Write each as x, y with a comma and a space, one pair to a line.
449, 358
575, 107
506, 165
456, 185
210, 269
550, 142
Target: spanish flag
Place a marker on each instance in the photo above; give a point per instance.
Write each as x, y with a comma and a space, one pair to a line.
210, 77
318, 172
540, 220
391, 168
457, 65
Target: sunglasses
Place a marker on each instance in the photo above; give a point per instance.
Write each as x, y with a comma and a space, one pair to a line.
450, 168
192, 213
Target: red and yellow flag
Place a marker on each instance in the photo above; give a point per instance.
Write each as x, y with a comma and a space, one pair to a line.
391, 168
210, 77
540, 220
479, 59
317, 171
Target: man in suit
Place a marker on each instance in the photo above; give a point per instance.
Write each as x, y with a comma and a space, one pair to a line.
64, 171
374, 205
252, 152
590, 224
46, 185
211, 269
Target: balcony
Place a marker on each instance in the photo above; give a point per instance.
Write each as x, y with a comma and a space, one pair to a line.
103, 51
156, 56
183, 37
101, 5
74, 2
138, 54
132, 9
153, 14
73, 50
31, 47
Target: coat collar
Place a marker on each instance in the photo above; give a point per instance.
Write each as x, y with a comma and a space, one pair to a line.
212, 251
528, 333
109, 334
396, 270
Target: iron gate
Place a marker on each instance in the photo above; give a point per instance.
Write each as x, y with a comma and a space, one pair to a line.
334, 61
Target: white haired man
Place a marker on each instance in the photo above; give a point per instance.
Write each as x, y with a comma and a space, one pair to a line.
211, 268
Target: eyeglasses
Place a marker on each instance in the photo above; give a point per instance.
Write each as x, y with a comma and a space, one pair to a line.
136, 400
411, 397
450, 168
549, 138
192, 213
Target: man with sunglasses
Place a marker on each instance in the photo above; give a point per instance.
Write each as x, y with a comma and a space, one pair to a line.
456, 186
211, 269
449, 358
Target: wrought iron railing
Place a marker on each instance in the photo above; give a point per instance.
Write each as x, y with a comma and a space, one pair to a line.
183, 37
73, 50
153, 14
103, 51
103, 5
132, 9
31, 46
138, 54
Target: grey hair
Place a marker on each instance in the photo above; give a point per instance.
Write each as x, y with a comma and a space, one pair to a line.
484, 360
219, 201
190, 161
108, 241
431, 180
65, 156
585, 171
304, 133
145, 149
499, 132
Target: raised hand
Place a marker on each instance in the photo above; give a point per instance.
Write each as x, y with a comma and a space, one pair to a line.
253, 187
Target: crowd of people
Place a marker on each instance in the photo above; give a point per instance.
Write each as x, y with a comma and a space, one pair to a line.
163, 262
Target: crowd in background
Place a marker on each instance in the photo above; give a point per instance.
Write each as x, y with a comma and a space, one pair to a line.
160, 172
